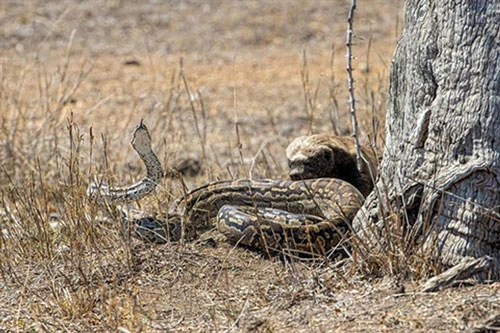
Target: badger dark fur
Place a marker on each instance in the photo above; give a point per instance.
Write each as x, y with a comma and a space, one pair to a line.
330, 156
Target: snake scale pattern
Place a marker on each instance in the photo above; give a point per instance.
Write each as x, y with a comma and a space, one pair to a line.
303, 216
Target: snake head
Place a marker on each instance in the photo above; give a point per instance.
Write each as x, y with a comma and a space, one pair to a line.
141, 140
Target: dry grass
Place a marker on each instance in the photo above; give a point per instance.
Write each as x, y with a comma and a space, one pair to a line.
74, 81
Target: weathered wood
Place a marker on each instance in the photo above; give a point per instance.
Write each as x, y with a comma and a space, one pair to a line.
441, 164
466, 269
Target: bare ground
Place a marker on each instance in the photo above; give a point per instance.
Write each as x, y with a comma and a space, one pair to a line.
228, 83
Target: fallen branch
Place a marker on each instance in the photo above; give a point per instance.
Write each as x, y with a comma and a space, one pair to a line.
466, 269
350, 81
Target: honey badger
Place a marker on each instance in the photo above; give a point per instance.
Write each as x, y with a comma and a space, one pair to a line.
330, 156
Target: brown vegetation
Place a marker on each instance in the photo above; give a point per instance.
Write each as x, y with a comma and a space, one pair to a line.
230, 83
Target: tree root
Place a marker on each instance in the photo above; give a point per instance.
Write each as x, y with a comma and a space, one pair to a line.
464, 270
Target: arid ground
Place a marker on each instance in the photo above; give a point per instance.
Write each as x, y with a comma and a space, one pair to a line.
228, 84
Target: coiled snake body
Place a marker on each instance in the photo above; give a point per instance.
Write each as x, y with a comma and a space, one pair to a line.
309, 216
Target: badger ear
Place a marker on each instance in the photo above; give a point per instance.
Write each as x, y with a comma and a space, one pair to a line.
326, 154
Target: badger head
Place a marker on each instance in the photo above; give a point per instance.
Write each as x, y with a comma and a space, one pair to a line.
309, 158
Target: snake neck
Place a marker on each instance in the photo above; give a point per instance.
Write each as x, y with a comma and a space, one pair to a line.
135, 191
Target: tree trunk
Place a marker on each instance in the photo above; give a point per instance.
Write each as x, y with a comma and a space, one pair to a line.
440, 172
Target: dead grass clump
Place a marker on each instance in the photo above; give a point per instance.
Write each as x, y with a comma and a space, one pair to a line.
70, 267
389, 249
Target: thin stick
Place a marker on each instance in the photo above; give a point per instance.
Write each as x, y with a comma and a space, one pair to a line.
191, 98
236, 122
254, 158
350, 82
334, 110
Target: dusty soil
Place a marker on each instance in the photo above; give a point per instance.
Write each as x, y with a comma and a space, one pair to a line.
229, 83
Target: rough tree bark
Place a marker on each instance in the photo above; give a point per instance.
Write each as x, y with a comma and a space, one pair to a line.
441, 163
